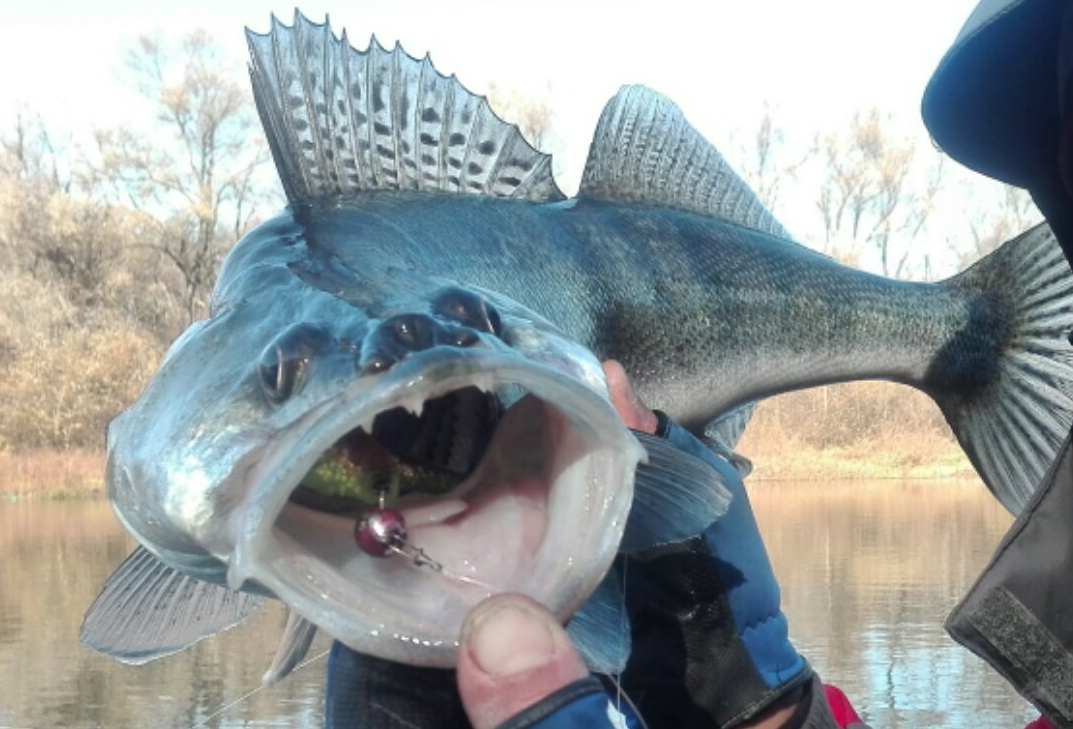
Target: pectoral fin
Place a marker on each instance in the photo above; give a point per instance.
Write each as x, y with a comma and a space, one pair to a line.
600, 629
723, 434
293, 645
148, 610
676, 496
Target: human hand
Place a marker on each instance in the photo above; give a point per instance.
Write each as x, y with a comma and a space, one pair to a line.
690, 664
710, 644
517, 664
718, 583
633, 412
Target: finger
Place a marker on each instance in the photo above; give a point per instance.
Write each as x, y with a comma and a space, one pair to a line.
630, 408
513, 654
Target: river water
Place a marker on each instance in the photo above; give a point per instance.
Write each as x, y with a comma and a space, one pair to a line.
868, 573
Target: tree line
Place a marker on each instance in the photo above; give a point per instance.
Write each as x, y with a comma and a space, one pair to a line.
109, 251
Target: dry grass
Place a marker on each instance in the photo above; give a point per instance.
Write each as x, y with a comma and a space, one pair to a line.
866, 430
859, 431
51, 474
899, 456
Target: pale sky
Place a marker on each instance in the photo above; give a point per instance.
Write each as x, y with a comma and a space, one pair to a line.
815, 62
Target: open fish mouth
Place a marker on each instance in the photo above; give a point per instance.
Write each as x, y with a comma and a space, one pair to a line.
531, 497
406, 457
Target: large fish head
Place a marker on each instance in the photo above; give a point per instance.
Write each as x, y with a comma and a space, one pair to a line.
276, 426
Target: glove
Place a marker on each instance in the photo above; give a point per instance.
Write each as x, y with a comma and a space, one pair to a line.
579, 705
710, 642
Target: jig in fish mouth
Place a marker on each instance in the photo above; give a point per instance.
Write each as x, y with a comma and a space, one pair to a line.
407, 457
413, 496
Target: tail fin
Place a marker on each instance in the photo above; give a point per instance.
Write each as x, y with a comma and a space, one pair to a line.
1012, 426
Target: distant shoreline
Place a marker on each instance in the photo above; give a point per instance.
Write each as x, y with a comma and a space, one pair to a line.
79, 474
51, 475
923, 456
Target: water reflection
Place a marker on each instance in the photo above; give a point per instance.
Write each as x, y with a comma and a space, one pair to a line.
868, 572
53, 559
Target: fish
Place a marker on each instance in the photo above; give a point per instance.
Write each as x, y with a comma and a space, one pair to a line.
416, 341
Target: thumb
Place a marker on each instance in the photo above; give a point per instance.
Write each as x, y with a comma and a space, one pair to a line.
633, 412
513, 653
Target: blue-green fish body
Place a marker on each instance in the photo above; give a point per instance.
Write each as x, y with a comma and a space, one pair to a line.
422, 330
691, 304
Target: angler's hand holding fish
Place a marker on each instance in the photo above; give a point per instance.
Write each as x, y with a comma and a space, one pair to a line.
710, 642
710, 646
723, 677
396, 408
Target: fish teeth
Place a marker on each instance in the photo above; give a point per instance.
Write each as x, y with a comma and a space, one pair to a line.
415, 406
367, 425
484, 382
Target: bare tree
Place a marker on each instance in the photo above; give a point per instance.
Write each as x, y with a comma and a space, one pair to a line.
532, 114
995, 224
29, 176
868, 196
64, 234
28, 153
765, 168
196, 173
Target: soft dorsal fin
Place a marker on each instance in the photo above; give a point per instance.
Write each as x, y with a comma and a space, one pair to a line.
644, 151
342, 122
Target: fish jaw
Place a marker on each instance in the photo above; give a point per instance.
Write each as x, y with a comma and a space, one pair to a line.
542, 514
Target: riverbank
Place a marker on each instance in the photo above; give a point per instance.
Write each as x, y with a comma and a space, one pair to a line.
50, 474
892, 456
53, 475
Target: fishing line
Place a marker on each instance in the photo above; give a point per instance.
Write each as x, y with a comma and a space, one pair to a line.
472, 581
381, 532
620, 693
240, 699
623, 696
622, 607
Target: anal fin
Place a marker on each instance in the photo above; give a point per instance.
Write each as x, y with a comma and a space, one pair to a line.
723, 433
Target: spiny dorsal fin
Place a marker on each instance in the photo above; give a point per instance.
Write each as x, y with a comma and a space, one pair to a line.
342, 122
644, 151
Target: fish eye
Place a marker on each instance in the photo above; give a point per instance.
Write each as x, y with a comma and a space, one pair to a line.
468, 309
285, 361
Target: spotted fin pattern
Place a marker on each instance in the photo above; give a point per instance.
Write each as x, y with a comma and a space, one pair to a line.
342, 122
